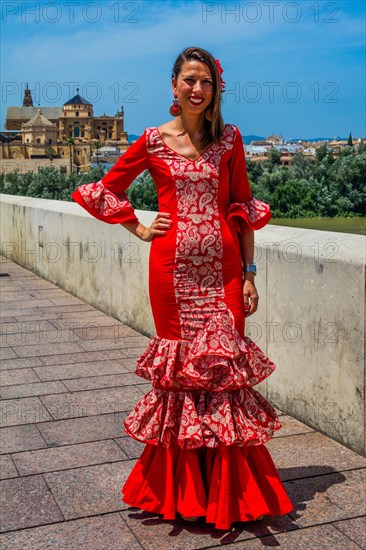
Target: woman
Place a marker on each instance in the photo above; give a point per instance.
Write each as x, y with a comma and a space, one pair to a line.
203, 424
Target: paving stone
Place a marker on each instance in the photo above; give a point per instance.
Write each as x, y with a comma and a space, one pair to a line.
21, 438
7, 467
80, 370
27, 410
290, 426
19, 376
127, 343
84, 357
110, 381
27, 502
327, 498
79, 430
47, 348
55, 315
18, 305
94, 329
134, 352
154, 533
5, 320
69, 320
68, 456
80, 307
89, 403
310, 454
130, 447
22, 314
324, 537
44, 335
27, 362
28, 390
95, 533
12, 295
354, 529
90, 490
7, 353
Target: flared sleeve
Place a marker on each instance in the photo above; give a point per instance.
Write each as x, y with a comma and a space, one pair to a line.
244, 209
106, 199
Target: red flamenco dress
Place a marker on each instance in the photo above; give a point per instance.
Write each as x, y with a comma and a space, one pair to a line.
203, 423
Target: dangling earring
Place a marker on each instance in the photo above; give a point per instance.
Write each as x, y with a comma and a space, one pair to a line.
208, 114
175, 109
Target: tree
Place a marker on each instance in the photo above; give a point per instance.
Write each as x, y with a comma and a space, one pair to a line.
350, 142
51, 154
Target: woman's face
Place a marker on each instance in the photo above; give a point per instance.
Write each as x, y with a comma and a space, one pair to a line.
194, 87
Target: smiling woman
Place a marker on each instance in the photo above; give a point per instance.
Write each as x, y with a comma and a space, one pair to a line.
203, 424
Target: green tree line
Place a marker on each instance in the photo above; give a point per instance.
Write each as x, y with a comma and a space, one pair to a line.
330, 186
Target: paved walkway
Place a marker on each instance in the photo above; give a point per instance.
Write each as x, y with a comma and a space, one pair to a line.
67, 383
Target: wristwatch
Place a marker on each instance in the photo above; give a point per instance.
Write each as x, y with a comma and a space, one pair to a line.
251, 268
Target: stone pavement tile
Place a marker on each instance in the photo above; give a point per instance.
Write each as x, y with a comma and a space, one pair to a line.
324, 537
80, 307
43, 335
54, 315
28, 390
21, 438
110, 381
68, 456
127, 343
89, 403
290, 426
145, 387
130, 447
80, 370
22, 314
27, 502
90, 490
327, 498
306, 455
355, 529
93, 330
13, 295
28, 362
105, 532
79, 430
134, 352
19, 376
66, 300
27, 410
47, 348
84, 357
7, 353
7, 467
18, 305
154, 533
88, 320
7, 320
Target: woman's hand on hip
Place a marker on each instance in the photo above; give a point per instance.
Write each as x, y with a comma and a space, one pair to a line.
250, 297
159, 227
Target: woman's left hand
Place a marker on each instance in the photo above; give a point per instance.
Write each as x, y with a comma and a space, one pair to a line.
250, 297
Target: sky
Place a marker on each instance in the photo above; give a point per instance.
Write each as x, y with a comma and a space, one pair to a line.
295, 69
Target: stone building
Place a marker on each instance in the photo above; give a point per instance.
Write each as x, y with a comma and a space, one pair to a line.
75, 119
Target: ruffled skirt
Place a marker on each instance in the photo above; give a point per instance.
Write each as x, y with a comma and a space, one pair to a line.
205, 427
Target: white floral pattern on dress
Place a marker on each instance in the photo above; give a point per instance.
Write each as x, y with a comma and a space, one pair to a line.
254, 212
103, 201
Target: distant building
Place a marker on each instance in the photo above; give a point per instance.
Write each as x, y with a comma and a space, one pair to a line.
75, 119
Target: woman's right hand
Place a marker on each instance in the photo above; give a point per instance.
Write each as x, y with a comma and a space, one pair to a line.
158, 228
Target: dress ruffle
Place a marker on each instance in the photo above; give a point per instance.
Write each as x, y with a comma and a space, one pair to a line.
254, 213
193, 419
226, 485
103, 204
217, 359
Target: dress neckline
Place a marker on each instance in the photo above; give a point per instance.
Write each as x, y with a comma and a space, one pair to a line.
182, 156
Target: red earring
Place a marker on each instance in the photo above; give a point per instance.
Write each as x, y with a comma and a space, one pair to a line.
175, 109
208, 114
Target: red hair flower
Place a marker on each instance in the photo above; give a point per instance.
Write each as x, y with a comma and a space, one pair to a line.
221, 70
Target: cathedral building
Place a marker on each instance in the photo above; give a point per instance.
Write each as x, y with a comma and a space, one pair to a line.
75, 119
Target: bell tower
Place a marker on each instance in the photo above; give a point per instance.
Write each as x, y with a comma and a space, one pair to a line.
27, 100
